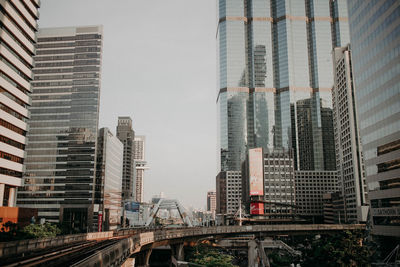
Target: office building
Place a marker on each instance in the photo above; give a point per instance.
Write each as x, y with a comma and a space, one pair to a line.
348, 147
140, 166
211, 201
60, 165
310, 187
229, 192
126, 135
333, 208
268, 184
18, 28
375, 46
108, 191
275, 79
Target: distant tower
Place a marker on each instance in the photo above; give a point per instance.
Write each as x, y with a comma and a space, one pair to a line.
140, 166
211, 201
108, 193
126, 135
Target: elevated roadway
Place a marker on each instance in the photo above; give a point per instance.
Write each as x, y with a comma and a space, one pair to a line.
114, 248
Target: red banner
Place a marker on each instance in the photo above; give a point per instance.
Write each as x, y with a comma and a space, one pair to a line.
99, 222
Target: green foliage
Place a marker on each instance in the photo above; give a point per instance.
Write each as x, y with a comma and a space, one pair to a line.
277, 260
210, 257
10, 231
347, 249
42, 230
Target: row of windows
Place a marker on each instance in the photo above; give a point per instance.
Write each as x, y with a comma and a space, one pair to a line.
66, 57
9, 172
12, 127
10, 157
70, 38
11, 142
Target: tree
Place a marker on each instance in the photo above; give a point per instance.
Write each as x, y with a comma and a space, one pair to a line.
42, 230
347, 249
211, 257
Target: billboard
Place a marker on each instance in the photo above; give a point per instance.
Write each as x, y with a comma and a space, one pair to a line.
256, 208
132, 206
256, 171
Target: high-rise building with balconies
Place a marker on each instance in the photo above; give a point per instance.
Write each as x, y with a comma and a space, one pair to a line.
18, 28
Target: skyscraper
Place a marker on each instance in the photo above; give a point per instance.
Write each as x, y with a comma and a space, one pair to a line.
126, 135
140, 166
375, 45
275, 78
108, 192
347, 139
17, 40
61, 149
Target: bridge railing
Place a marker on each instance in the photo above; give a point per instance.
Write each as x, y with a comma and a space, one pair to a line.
8, 249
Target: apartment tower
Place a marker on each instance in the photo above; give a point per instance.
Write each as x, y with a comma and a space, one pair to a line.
275, 79
18, 28
375, 46
61, 149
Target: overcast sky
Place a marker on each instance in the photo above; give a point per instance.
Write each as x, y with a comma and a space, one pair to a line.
159, 67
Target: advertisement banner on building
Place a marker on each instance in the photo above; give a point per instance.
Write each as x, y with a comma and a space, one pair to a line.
256, 171
99, 222
256, 208
132, 206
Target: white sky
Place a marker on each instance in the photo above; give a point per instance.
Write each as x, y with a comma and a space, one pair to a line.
159, 67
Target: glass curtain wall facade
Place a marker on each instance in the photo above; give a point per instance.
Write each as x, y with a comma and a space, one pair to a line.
375, 43
18, 28
275, 78
61, 149
108, 193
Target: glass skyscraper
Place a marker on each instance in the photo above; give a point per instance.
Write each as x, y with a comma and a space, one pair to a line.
275, 78
61, 148
375, 43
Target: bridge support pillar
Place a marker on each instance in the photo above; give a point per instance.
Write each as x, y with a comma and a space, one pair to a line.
178, 252
143, 258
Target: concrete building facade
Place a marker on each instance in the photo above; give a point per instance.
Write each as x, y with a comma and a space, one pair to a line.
18, 28
61, 150
349, 158
310, 189
211, 201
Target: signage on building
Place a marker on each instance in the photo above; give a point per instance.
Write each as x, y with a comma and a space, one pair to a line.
256, 170
256, 208
132, 206
99, 222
